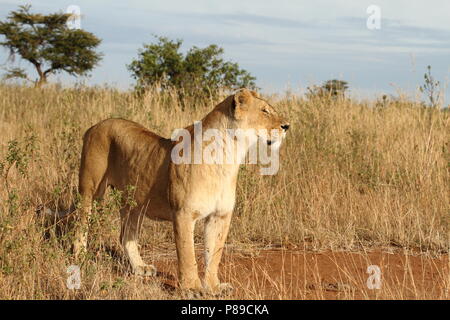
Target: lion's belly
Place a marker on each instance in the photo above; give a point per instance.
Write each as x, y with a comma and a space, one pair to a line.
158, 208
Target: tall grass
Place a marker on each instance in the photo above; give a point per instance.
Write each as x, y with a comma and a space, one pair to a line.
353, 175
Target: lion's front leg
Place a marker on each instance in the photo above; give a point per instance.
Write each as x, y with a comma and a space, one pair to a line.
183, 224
216, 231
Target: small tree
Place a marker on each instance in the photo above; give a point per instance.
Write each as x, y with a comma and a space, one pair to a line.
48, 44
335, 87
331, 89
431, 88
199, 70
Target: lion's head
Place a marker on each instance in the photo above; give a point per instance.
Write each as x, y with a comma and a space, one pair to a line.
250, 111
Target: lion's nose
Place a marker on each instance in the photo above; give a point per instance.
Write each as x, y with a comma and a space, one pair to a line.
285, 126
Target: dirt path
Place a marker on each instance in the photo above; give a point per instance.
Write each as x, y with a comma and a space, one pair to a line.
287, 274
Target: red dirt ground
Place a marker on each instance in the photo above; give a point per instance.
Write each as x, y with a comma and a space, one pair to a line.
291, 274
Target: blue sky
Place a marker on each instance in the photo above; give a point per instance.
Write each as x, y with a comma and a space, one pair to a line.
284, 43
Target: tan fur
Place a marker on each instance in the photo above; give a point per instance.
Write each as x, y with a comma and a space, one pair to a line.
121, 153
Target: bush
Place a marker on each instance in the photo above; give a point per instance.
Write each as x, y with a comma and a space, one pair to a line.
198, 72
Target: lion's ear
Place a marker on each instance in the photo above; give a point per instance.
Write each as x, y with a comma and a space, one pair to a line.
243, 97
255, 94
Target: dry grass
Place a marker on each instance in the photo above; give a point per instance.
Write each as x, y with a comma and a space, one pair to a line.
353, 176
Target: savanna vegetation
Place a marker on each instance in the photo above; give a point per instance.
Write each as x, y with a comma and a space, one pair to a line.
354, 176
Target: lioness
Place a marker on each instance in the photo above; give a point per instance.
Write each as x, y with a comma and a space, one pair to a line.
121, 153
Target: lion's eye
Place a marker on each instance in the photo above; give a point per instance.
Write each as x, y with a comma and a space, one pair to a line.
265, 111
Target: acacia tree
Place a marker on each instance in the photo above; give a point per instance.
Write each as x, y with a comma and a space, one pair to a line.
329, 89
199, 70
48, 44
335, 87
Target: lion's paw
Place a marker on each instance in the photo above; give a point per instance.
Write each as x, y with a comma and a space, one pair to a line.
147, 270
223, 289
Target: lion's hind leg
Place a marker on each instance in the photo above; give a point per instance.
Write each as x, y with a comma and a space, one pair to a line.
131, 220
92, 185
